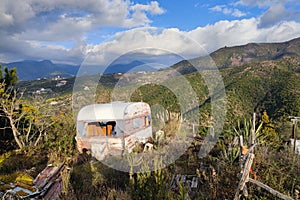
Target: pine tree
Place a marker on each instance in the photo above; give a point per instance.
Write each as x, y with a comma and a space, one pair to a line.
9, 78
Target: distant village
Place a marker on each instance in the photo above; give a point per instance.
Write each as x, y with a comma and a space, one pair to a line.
60, 82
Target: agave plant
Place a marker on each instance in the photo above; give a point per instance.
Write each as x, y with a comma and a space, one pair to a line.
245, 130
231, 152
133, 161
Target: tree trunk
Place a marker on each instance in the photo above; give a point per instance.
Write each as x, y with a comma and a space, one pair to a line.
15, 133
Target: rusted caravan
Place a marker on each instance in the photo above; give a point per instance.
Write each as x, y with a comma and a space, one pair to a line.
110, 129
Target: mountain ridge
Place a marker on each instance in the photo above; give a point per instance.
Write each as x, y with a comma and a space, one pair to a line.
31, 69
243, 54
227, 57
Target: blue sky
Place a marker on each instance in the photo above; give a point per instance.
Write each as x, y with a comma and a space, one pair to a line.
72, 31
188, 15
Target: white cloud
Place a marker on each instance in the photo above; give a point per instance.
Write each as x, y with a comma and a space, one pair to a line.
237, 13
277, 14
197, 42
120, 13
5, 19
226, 33
152, 41
139, 13
153, 8
264, 3
239, 32
276, 11
274, 14
218, 8
14, 13
26, 24
64, 29
228, 11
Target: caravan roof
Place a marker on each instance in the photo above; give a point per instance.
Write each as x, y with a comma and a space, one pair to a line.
112, 111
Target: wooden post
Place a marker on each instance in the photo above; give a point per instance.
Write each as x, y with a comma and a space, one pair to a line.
241, 141
295, 121
245, 176
241, 155
249, 156
245, 165
295, 133
194, 130
253, 129
247, 168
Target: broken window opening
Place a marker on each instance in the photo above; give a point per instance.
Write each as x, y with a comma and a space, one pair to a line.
101, 128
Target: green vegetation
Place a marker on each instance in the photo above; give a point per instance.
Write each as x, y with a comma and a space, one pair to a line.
9, 78
40, 134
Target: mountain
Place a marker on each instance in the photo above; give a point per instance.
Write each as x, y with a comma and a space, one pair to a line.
227, 57
30, 69
133, 66
239, 55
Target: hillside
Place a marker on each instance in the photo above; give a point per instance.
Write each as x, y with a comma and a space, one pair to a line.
252, 52
266, 85
227, 57
273, 86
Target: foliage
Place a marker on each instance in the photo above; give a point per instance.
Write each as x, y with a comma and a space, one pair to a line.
9, 78
20, 161
93, 180
27, 120
269, 134
60, 138
4, 156
151, 184
230, 152
156, 94
281, 100
13, 111
277, 169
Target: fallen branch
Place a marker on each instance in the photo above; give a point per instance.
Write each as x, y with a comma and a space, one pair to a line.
271, 190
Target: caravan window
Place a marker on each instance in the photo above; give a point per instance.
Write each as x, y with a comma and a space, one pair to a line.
136, 123
142, 121
101, 128
147, 120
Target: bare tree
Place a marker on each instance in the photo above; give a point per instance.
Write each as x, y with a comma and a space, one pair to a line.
43, 118
27, 121
10, 109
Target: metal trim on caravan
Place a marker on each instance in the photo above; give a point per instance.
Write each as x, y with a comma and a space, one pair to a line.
112, 128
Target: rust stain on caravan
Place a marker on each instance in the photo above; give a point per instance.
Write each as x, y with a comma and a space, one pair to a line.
110, 129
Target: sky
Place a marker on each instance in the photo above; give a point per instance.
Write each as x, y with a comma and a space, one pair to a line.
98, 31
